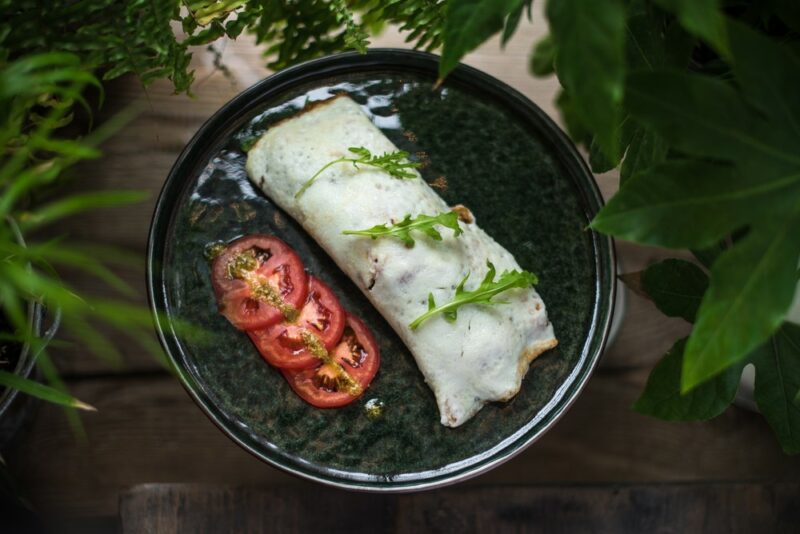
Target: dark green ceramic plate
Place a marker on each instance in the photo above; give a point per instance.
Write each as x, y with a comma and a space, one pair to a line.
500, 155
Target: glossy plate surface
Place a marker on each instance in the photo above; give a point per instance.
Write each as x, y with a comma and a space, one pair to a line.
490, 149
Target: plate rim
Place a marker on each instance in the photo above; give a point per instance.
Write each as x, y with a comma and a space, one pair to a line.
244, 103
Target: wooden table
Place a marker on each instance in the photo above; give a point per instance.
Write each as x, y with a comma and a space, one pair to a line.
148, 430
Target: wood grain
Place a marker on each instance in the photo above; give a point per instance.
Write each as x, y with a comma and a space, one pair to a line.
148, 430
730, 508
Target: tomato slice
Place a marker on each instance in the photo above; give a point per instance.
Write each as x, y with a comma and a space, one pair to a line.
258, 281
282, 344
357, 353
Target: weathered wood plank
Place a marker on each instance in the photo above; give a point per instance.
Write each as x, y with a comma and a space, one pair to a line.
732, 508
148, 430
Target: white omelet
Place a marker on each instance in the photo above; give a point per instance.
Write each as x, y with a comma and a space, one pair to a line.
485, 353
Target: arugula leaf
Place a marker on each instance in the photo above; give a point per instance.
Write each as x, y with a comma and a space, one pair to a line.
692, 204
468, 23
422, 223
483, 294
752, 286
703, 18
662, 396
676, 287
777, 382
590, 54
395, 164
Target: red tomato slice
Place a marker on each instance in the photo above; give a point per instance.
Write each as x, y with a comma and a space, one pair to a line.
258, 261
282, 344
357, 353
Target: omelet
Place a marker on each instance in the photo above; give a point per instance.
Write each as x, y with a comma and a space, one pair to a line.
483, 355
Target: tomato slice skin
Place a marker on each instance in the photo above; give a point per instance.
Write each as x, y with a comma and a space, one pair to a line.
322, 315
275, 264
359, 355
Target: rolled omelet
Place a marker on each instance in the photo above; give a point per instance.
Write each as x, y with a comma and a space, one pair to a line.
485, 353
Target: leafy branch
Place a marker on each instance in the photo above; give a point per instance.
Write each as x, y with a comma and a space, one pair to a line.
395, 164
421, 223
37, 97
483, 294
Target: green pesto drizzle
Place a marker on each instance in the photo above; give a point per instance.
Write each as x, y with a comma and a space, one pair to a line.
343, 380
242, 267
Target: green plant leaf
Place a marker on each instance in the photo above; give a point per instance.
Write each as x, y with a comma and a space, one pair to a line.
703, 18
788, 11
77, 203
645, 150
542, 61
589, 37
707, 117
777, 382
662, 396
769, 74
752, 285
42, 391
692, 204
597, 159
573, 121
676, 287
707, 256
468, 23
512, 22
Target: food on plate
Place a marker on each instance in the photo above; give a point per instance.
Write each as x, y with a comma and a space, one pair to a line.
344, 374
477, 356
258, 281
296, 322
284, 344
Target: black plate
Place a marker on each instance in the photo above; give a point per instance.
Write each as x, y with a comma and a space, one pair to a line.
498, 154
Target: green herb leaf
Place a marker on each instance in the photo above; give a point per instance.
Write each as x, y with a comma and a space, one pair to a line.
421, 223
777, 382
468, 23
676, 287
590, 54
752, 285
395, 164
41, 391
483, 294
662, 396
